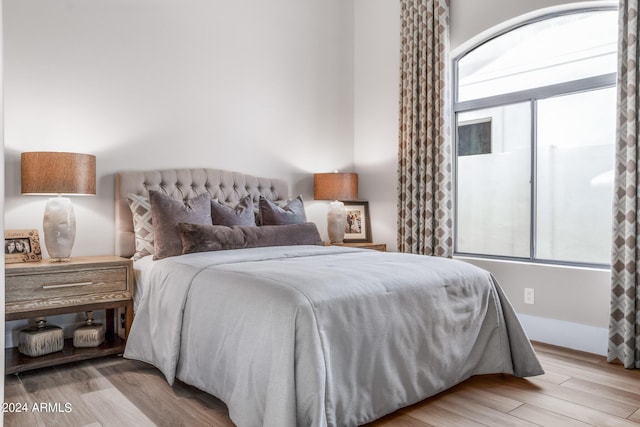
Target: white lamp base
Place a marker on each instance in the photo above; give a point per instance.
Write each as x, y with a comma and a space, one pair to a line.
336, 219
59, 228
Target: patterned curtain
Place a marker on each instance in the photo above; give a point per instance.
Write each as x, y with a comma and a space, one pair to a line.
425, 223
624, 324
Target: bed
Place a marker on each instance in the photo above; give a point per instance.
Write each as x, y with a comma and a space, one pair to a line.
290, 332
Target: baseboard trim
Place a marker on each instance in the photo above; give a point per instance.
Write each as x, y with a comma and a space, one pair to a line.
576, 336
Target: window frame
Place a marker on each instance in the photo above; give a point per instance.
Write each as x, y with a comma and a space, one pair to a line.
532, 96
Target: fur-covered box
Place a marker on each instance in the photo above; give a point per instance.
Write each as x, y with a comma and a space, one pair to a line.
90, 335
41, 339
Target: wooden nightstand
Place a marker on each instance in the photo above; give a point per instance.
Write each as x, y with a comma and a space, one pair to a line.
47, 288
382, 247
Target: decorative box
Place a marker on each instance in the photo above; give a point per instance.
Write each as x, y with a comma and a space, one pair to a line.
89, 335
41, 339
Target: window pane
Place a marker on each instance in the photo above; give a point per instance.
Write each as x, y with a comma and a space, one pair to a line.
576, 137
493, 196
555, 50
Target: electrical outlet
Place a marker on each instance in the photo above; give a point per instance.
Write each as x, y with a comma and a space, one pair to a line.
529, 296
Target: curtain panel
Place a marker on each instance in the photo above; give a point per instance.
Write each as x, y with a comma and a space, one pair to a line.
624, 324
425, 219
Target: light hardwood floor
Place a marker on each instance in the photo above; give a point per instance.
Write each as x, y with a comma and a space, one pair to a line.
578, 389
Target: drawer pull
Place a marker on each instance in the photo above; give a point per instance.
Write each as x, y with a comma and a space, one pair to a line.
67, 285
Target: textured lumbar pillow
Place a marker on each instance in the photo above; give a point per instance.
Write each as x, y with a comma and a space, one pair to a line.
203, 238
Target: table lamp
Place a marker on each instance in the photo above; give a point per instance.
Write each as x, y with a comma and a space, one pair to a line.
58, 174
335, 186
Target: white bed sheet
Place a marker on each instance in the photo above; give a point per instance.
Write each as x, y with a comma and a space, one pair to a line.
141, 274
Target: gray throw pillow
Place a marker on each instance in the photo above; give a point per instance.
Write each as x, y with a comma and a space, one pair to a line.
167, 213
291, 213
204, 238
241, 214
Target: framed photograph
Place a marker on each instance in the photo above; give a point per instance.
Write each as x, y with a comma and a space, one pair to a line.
357, 228
21, 246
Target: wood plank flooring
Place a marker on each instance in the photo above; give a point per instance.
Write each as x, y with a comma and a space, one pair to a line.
578, 389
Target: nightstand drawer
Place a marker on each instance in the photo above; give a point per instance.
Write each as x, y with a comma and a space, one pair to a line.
46, 288
62, 284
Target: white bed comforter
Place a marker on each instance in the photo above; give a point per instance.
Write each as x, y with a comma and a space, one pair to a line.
324, 336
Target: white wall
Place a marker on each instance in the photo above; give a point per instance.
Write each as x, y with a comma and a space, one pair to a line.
264, 88
377, 76
260, 87
570, 302
471, 17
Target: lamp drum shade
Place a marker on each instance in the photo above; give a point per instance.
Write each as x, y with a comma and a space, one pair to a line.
335, 186
58, 173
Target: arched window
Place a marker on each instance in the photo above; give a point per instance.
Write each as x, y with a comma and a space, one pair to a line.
535, 119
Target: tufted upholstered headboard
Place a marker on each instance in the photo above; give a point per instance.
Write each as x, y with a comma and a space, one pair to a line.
183, 184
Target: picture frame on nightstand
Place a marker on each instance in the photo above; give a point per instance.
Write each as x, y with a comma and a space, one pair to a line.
358, 225
21, 246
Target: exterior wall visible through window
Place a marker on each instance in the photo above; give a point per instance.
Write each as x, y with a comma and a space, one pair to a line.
535, 121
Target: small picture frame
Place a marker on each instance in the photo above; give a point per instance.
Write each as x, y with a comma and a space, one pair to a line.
357, 228
21, 246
